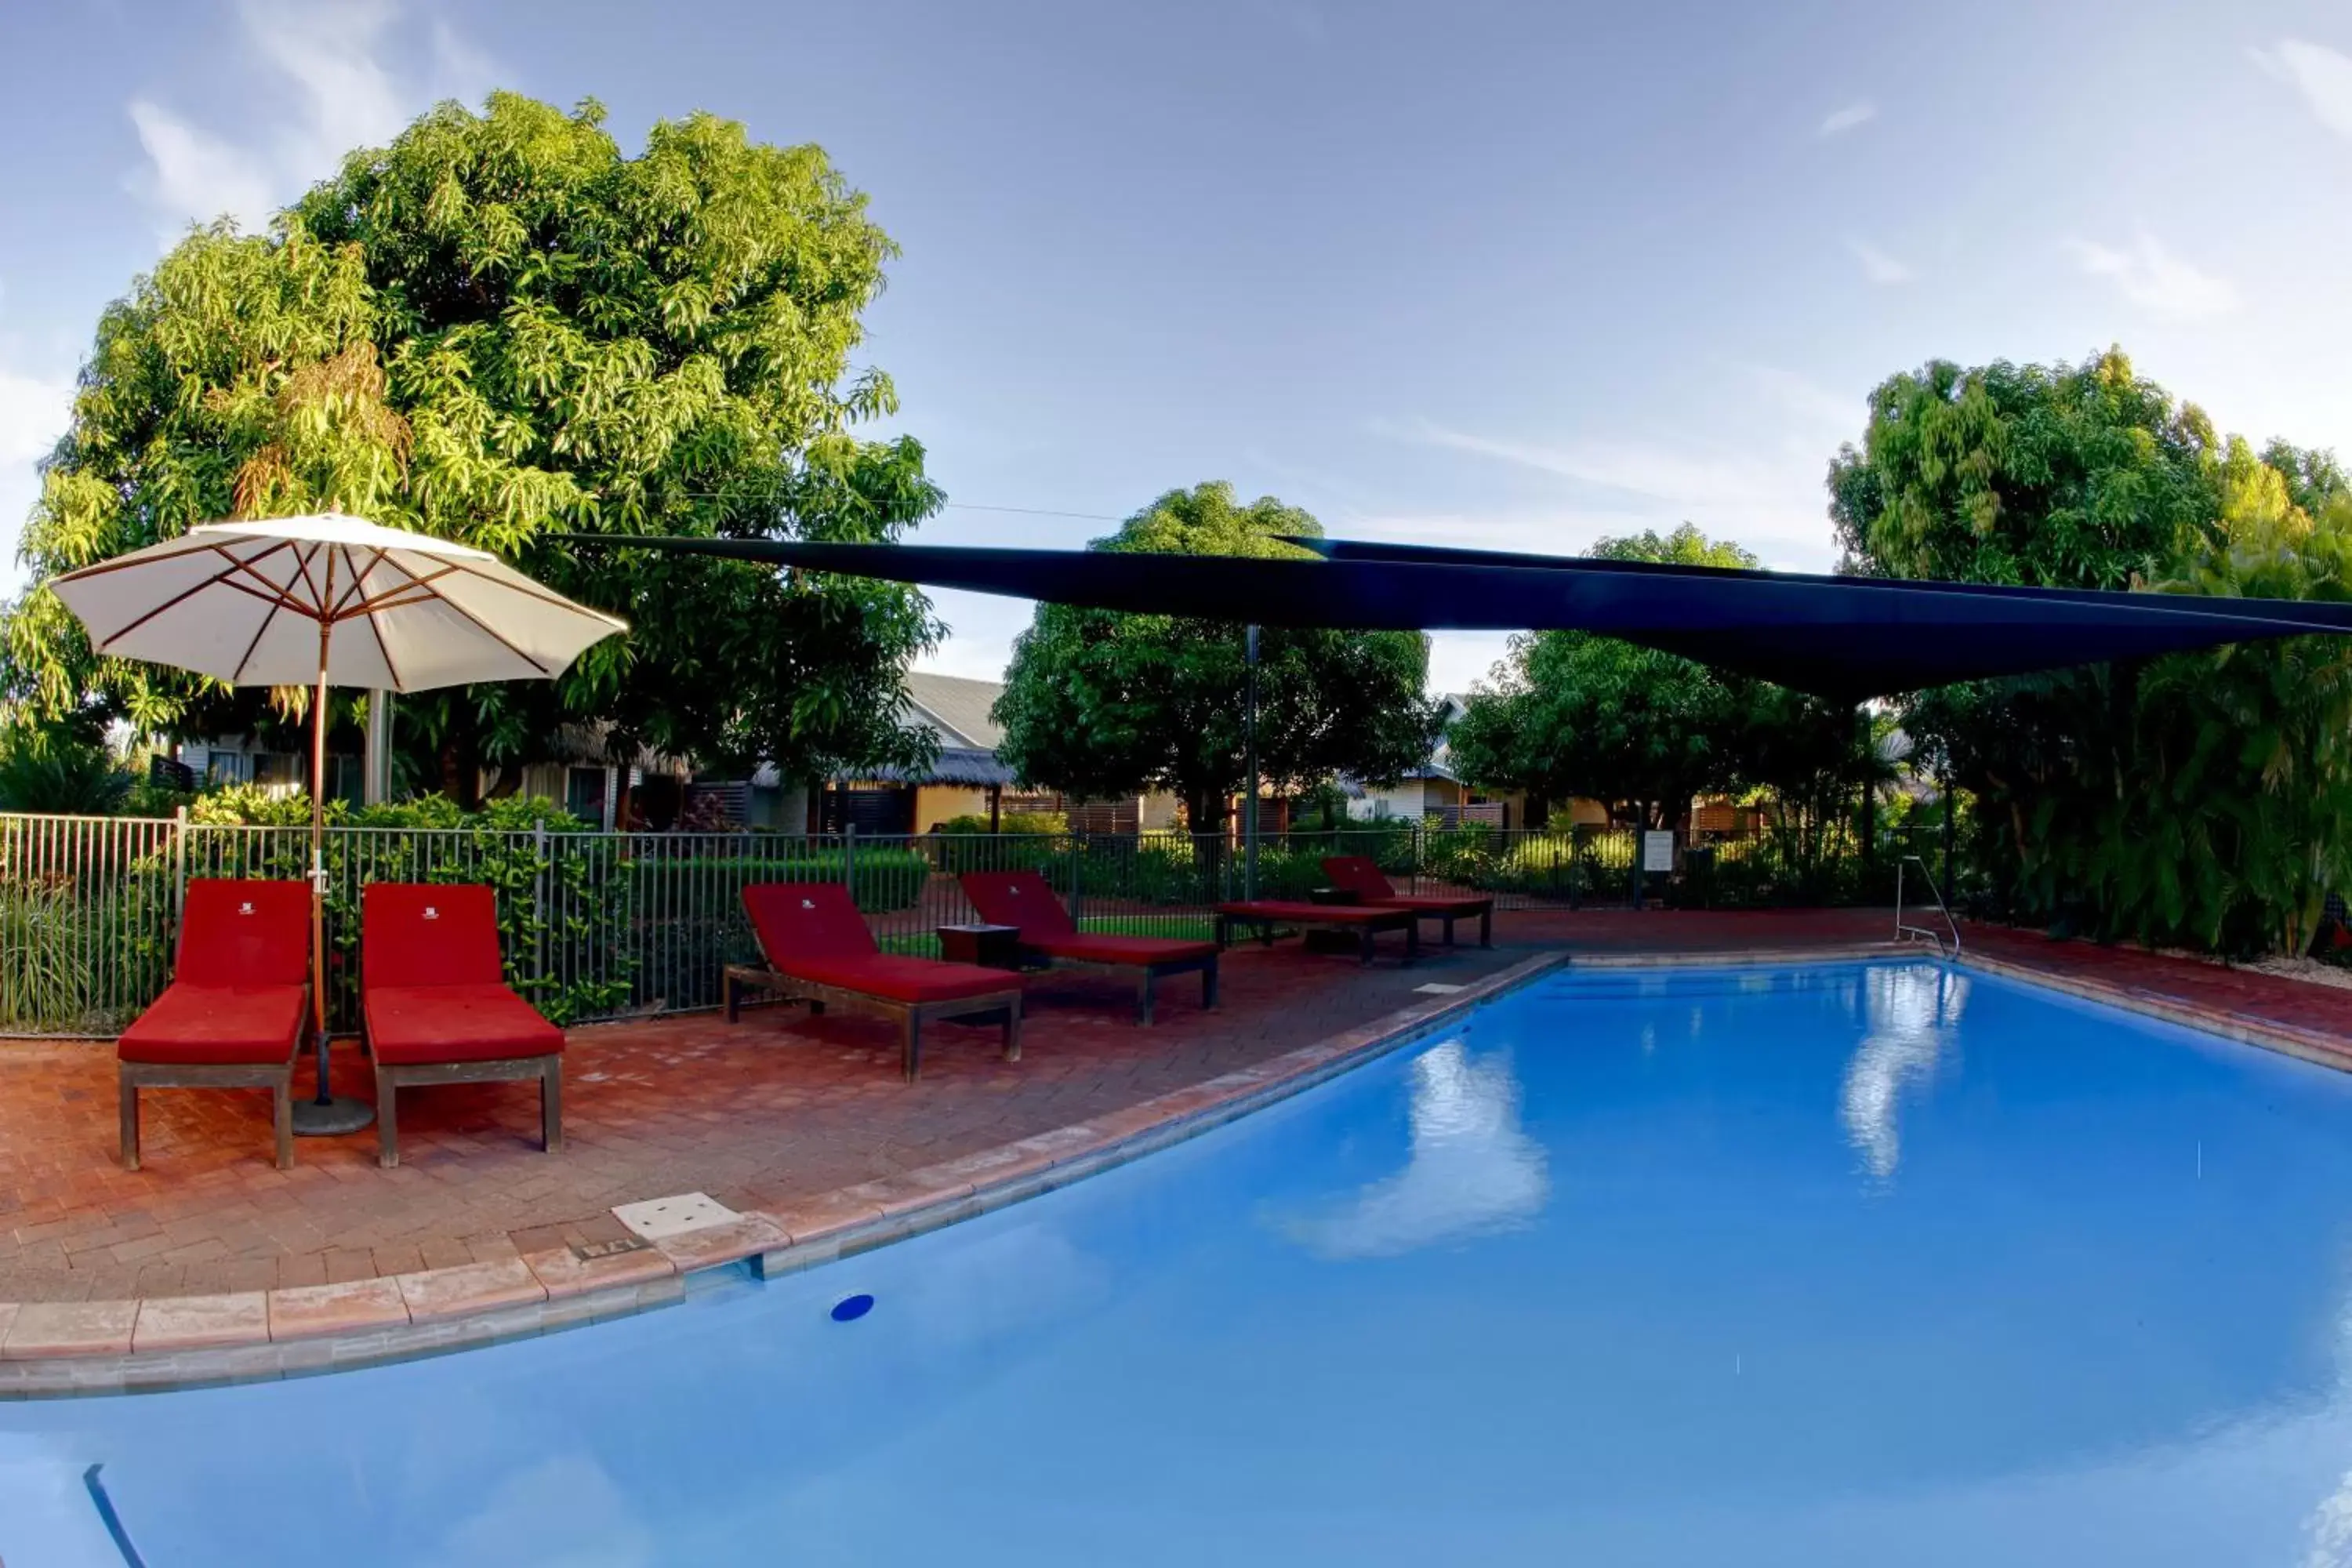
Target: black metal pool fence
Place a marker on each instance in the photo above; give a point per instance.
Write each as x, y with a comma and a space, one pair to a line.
608, 925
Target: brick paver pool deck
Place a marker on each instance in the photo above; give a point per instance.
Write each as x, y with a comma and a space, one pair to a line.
781, 1111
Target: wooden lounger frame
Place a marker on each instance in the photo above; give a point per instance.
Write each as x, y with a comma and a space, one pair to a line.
133, 1077
391, 1077
1363, 920
1152, 973
1486, 914
910, 1016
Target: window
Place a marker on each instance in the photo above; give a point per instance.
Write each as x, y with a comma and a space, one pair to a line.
583, 794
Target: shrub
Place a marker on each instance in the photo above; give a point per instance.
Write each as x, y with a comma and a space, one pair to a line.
59, 772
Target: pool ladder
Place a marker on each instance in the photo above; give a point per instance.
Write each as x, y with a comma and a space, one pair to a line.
1905, 932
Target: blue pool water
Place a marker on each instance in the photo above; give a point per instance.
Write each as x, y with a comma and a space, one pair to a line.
1838, 1265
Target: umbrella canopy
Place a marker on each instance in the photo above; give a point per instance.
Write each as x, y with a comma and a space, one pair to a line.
247, 602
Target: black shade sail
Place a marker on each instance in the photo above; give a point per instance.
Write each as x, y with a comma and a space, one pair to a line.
1843, 637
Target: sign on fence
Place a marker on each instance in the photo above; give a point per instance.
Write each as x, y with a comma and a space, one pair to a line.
1658, 851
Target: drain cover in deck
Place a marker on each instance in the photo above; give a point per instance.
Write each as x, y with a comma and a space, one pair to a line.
656, 1219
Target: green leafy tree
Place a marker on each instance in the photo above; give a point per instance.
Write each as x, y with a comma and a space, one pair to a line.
2203, 798
1099, 703
1574, 714
2073, 476
497, 329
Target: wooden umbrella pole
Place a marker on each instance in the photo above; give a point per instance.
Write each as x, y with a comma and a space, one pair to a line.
319, 850
323, 1115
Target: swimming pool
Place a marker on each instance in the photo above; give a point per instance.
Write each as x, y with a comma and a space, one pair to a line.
1866, 1264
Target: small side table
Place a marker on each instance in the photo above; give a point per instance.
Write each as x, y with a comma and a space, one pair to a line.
1334, 896
996, 947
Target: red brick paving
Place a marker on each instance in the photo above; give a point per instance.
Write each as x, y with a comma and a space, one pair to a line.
768, 1114
2211, 988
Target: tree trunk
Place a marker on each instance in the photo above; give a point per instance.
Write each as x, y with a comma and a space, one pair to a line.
1205, 811
461, 774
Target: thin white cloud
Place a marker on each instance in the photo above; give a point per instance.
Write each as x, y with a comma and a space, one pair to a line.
2322, 74
1556, 531
1766, 494
2156, 281
195, 177
1876, 265
1813, 408
462, 70
328, 68
34, 412
1853, 116
1656, 470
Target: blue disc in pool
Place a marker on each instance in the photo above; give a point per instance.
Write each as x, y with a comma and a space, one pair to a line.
850, 1309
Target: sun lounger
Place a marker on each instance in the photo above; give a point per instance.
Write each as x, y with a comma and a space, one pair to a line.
820, 952
1362, 922
1359, 875
233, 1014
1022, 900
436, 1006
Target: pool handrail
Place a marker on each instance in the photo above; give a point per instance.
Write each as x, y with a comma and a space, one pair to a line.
1905, 932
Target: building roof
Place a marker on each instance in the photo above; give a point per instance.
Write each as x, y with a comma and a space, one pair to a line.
957, 707
965, 765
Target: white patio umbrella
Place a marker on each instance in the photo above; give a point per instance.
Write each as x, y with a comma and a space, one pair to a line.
328, 600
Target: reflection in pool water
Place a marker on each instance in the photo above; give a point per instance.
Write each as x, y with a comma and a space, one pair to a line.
1912, 1014
1472, 1168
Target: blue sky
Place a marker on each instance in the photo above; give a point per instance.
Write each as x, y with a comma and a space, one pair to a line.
1517, 275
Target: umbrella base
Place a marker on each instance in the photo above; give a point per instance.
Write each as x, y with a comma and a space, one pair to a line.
336, 1117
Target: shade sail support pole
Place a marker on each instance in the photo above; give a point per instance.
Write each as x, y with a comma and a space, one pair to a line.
1249, 760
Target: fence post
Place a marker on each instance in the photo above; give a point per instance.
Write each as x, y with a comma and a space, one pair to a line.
1078, 862
1950, 807
538, 898
849, 858
179, 863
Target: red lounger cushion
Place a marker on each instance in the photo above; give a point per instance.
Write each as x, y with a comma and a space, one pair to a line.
1093, 948
429, 933
432, 983
1360, 876
417, 1024
1434, 904
903, 979
811, 931
236, 995
807, 919
217, 1025
1329, 914
1022, 899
